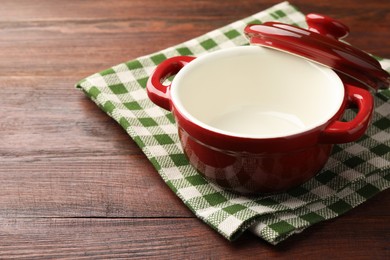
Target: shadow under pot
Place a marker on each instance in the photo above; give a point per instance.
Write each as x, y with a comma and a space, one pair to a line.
256, 120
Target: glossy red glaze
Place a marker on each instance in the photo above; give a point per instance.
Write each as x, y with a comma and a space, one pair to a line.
157, 92
342, 132
254, 172
320, 44
259, 165
248, 165
326, 26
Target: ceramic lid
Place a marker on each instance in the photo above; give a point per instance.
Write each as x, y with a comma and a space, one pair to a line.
321, 43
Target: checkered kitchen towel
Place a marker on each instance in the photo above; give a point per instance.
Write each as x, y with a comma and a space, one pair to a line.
354, 173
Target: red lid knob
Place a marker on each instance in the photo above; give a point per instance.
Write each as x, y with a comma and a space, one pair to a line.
326, 26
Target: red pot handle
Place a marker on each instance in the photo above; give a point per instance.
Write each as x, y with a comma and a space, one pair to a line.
157, 92
344, 132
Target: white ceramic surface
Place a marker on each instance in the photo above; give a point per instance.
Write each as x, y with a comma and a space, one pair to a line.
256, 92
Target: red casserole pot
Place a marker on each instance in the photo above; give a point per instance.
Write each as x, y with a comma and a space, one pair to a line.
257, 120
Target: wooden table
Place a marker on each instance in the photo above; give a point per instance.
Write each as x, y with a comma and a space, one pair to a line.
74, 185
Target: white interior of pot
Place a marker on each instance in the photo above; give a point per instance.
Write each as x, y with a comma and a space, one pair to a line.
256, 92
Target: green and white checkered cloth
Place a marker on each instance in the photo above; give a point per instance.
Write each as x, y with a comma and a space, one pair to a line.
354, 173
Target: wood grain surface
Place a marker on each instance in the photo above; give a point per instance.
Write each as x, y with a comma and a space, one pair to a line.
74, 185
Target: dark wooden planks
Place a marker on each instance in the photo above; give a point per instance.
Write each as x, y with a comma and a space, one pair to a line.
178, 238
47, 116
73, 184
66, 37
106, 186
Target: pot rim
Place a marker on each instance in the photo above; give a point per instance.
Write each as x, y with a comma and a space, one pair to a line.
178, 107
